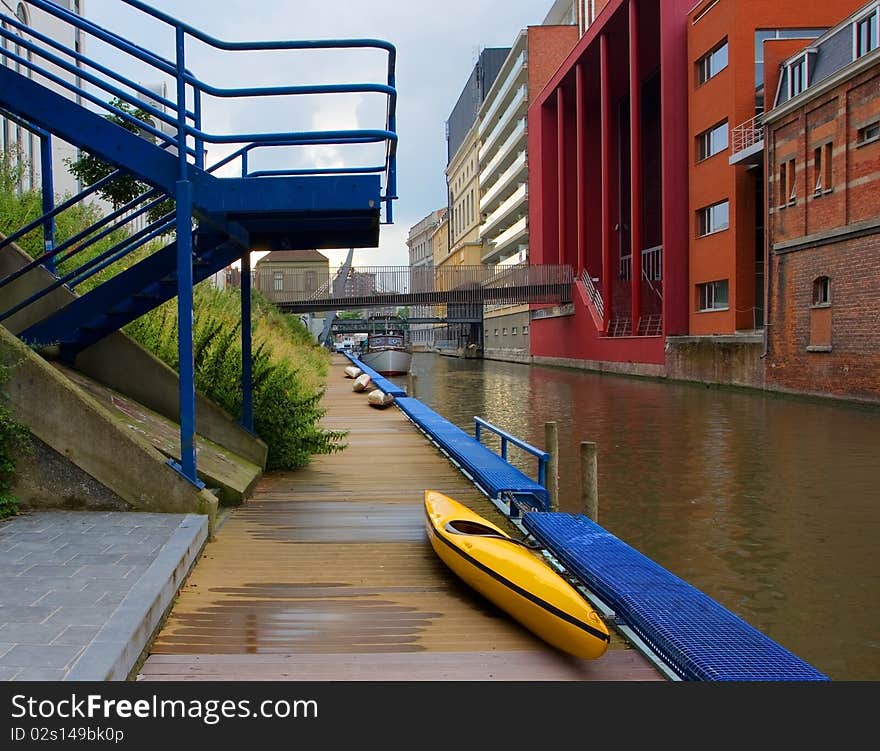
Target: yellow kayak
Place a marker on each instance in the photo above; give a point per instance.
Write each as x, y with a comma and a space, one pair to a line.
513, 577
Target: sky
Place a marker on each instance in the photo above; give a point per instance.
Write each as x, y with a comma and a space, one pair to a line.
437, 46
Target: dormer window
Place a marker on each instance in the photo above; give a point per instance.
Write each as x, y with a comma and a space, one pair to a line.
865, 33
798, 74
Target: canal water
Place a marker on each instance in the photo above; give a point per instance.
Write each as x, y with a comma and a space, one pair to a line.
769, 504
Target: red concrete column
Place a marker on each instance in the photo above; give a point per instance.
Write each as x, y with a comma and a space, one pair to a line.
635, 175
580, 117
607, 156
560, 170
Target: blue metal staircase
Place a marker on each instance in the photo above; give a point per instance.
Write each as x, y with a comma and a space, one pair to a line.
57, 91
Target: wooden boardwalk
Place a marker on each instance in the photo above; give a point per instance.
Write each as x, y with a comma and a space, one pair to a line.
326, 574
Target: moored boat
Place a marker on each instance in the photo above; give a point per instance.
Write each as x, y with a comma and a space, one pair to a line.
388, 353
514, 577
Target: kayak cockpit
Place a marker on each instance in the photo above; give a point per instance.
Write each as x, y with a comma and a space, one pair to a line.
467, 527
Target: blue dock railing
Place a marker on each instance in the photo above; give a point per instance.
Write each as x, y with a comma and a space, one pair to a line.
542, 456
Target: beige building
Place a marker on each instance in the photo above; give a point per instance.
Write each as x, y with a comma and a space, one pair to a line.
465, 247
288, 275
464, 198
440, 239
420, 244
440, 245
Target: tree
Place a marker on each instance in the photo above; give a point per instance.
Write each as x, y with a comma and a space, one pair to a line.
125, 188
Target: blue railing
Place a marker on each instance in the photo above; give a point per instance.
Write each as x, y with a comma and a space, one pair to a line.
185, 120
506, 438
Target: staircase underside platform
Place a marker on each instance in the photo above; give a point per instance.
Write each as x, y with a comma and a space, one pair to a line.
311, 230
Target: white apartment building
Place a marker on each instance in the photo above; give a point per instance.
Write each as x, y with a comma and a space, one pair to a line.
17, 142
503, 163
580, 13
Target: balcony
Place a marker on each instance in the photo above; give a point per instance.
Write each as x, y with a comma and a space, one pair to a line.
512, 79
516, 140
747, 142
508, 242
514, 112
512, 175
652, 265
498, 219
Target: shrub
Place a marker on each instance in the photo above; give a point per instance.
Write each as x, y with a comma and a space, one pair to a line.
286, 399
12, 436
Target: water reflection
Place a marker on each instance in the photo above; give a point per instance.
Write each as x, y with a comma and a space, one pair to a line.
767, 503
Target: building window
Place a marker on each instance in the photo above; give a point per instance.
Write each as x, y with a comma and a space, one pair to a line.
787, 183
712, 141
797, 76
821, 291
513, 331
869, 133
714, 218
525, 330
866, 33
712, 295
820, 316
822, 168
504, 331
712, 63
496, 332
278, 281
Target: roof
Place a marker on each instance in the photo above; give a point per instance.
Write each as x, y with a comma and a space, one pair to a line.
291, 256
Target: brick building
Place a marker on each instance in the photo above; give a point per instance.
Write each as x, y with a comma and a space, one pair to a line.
823, 178
728, 41
646, 172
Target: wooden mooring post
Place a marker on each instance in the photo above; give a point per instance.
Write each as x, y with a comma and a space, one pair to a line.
551, 446
590, 480
411, 379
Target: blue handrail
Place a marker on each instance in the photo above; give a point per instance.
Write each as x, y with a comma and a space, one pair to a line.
186, 122
542, 456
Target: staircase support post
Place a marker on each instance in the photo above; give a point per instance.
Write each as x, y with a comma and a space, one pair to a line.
186, 367
48, 198
247, 379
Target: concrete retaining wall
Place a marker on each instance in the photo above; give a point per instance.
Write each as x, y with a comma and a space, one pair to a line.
724, 360
78, 427
122, 364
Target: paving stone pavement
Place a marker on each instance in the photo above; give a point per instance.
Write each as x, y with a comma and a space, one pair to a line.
79, 590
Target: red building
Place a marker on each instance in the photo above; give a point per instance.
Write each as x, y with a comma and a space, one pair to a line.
603, 180
631, 181
823, 178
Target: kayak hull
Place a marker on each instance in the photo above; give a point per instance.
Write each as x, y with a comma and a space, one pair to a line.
516, 579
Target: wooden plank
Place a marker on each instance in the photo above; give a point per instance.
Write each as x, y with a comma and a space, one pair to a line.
326, 574
534, 665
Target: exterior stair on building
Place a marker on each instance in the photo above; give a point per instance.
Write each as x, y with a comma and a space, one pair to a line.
620, 326
651, 325
55, 90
